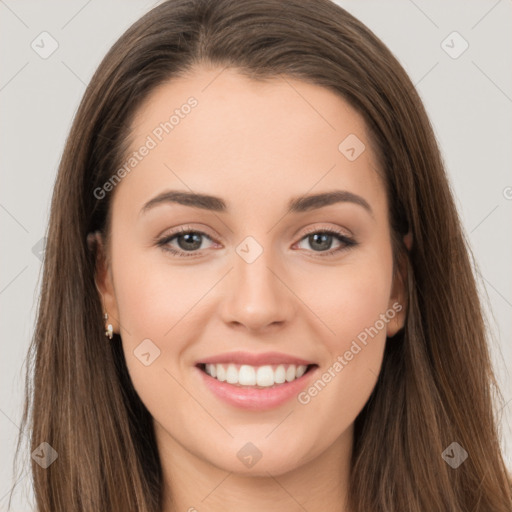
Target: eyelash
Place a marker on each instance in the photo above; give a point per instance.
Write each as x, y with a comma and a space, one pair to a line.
348, 242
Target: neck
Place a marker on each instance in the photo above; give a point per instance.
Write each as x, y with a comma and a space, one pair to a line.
193, 484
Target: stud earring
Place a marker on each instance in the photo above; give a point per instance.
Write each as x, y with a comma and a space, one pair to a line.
110, 329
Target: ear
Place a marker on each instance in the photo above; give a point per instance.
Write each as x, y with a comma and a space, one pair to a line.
103, 278
398, 299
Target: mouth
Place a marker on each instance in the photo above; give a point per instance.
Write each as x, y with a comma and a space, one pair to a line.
257, 377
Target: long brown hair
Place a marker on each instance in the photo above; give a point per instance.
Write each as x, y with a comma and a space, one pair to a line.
436, 386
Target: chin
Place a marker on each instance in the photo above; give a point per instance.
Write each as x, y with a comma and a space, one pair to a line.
249, 462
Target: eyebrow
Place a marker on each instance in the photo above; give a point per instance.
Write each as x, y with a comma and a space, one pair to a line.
296, 205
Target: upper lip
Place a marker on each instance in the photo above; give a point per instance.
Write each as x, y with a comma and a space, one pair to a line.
252, 359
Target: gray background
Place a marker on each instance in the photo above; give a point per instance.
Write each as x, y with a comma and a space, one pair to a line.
468, 98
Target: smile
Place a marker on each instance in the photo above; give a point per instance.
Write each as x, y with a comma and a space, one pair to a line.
255, 376
255, 397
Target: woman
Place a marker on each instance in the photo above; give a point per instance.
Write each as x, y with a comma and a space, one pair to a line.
256, 292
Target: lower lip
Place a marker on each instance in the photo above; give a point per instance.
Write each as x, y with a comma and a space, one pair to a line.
256, 399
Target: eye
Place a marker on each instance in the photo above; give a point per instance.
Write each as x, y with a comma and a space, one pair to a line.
189, 242
321, 240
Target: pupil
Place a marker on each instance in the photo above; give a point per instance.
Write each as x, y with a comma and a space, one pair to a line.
190, 238
324, 242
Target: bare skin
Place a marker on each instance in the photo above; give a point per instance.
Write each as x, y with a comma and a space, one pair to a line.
255, 145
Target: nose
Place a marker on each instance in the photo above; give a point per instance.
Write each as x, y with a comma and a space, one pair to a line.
258, 297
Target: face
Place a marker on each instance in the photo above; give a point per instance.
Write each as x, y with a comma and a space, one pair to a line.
251, 279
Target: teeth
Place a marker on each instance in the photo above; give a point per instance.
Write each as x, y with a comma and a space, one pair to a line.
219, 370
301, 370
263, 376
247, 376
280, 374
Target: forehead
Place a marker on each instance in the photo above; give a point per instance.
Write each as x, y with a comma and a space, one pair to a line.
218, 131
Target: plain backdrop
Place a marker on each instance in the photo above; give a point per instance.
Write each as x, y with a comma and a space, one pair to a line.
468, 95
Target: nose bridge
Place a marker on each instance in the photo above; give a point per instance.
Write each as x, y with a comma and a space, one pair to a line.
258, 297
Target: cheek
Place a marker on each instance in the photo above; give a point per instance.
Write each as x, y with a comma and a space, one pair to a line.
153, 307
152, 302
351, 303
350, 298
151, 294
143, 298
